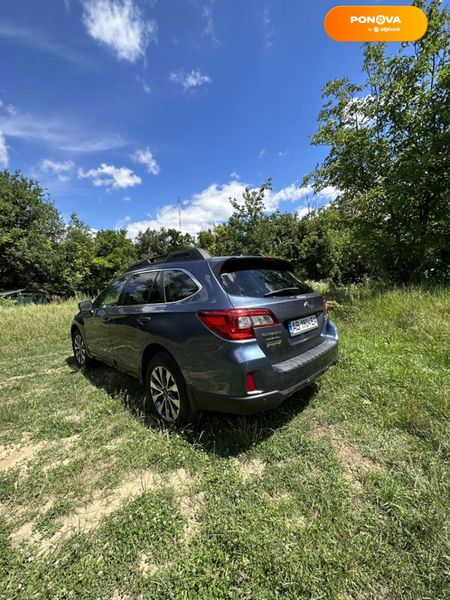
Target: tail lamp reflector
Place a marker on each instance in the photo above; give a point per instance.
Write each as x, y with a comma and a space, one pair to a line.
250, 382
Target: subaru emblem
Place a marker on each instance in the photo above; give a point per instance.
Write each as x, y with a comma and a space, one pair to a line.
307, 304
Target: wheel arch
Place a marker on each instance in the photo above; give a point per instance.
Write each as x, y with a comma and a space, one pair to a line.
149, 352
152, 350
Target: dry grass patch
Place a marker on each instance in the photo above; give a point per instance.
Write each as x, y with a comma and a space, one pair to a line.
351, 459
148, 568
296, 522
8, 380
190, 507
101, 505
13, 455
25, 532
117, 595
253, 467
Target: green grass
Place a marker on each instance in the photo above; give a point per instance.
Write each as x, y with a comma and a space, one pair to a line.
343, 492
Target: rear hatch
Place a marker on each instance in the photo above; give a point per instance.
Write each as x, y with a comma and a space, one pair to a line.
261, 282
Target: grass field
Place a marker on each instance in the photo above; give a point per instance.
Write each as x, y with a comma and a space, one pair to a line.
343, 492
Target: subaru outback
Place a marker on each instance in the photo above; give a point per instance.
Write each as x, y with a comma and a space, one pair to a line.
235, 334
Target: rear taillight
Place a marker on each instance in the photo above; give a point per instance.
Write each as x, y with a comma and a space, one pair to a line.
325, 305
250, 382
238, 323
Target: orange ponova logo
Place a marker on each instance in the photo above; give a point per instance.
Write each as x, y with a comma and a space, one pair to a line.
375, 23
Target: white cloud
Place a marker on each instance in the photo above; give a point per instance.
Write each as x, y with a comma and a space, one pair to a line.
283, 153
189, 80
4, 158
212, 206
143, 83
268, 29
329, 192
290, 193
145, 157
293, 193
62, 170
120, 25
9, 109
262, 152
209, 29
235, 175
40, 41
203, 210
303, 211
110, 176
122, 223
126, 199
56, 131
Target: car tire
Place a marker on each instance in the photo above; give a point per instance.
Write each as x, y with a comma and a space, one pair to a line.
166, 390
80, 353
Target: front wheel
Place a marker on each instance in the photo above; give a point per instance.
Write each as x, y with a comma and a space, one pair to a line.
166, 391
79, 350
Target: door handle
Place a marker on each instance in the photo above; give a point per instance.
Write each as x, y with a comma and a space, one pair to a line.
144, 319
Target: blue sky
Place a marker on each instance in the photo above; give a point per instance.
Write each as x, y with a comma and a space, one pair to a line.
118, 107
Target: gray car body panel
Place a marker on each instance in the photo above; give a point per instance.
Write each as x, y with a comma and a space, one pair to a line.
214, 368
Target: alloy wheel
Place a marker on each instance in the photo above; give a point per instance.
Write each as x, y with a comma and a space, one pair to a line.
79, 349
165, 393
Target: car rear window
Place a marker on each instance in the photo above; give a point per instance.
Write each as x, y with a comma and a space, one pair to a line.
259, 281
178, 286
143, 289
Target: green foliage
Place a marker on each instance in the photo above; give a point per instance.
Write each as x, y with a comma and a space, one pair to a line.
248, 222
76, 255
30, 229
113, 253
389, 155
389, 159
153, 242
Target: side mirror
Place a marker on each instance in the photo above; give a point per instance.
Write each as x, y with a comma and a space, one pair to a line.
85, 306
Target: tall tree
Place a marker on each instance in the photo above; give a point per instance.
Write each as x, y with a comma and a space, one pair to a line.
152, 242
389, 154
76, 255
113, 253
30, 230
248, 225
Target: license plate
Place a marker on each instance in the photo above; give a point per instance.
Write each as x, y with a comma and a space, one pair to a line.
299, 326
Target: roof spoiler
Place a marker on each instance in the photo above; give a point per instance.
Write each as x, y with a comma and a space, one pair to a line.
242, 262
187, 254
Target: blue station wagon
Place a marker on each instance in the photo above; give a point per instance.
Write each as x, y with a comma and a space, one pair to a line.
235, 334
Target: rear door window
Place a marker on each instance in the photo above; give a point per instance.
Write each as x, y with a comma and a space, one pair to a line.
260, 282
143, 289
178, 286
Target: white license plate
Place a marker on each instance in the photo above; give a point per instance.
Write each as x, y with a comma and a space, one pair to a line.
301, 325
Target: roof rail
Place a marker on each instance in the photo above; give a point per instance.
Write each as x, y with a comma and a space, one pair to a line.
141, 263
187, 254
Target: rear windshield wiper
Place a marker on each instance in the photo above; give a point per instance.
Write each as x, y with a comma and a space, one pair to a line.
282, 292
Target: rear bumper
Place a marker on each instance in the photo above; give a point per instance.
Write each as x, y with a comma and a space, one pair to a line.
304, 373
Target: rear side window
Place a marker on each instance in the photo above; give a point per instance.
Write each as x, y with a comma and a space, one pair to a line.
260, 282
178, 286
110, 297
143, 289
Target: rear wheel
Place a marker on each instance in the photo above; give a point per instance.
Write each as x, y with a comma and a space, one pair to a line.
166, 391
79, 350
